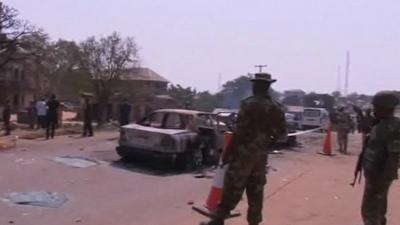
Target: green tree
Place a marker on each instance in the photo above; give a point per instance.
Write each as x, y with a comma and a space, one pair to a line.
185, 97
13, 33
319, 101
107, 59
205, 101
234, 91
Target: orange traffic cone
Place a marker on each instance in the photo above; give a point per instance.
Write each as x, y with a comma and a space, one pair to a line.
327, 148
215, 194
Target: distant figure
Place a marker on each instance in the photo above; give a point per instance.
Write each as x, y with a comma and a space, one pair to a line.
52, 116
31, 114
87, 118
344, 124
7, 118
124, 112
41, 111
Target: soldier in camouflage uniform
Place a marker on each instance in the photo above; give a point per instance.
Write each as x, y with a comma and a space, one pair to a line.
260, 120
380, 159
344, 125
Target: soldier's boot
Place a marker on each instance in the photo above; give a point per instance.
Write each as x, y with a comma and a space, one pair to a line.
213, 222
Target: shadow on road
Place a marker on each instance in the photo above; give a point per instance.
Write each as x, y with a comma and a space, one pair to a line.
153, 167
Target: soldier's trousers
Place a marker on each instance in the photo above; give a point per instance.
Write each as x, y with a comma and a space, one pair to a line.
343, 138
374, 204
245, 173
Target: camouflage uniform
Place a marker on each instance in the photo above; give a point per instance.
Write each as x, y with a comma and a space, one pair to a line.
260, 118
380, 162
344, 124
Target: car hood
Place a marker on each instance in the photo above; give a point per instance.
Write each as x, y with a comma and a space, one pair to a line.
154, 130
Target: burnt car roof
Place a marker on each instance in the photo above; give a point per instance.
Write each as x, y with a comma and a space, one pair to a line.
181, 111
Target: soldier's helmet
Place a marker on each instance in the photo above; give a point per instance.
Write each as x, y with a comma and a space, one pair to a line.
386, 99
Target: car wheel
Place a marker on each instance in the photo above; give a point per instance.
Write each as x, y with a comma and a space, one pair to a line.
122, 153
291, 141
193, 159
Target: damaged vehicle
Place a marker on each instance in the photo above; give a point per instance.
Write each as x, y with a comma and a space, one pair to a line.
189, 139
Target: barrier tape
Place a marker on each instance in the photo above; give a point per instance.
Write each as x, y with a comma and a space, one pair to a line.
304, 132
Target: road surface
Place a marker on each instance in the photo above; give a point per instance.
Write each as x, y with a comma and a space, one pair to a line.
304, 188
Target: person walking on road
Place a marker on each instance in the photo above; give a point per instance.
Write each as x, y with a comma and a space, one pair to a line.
380, 159
7, 118
52, 116
41, 111
124, 112
343, 124
260, 120
87, 118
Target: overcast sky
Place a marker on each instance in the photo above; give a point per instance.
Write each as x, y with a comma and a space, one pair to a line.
191, 42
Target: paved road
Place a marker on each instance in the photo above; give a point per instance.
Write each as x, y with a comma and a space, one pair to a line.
305, 189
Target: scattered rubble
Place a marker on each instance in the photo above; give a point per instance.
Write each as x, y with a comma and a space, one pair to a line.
76, 161
38, 198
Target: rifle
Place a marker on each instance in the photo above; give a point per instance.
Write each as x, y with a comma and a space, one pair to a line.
358, 170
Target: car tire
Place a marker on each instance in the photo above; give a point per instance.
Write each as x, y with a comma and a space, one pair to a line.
122, 152
291, 141
191, 160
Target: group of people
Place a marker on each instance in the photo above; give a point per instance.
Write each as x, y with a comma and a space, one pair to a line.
88, 113
45, 113
247, 153
346, 125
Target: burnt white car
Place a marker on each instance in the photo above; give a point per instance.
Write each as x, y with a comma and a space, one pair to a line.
187, 138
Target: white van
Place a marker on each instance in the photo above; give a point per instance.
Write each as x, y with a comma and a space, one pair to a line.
315, 117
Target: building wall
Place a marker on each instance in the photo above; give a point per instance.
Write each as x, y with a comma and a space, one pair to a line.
14, 86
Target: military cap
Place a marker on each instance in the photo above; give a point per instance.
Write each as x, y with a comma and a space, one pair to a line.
265, 77
386, 99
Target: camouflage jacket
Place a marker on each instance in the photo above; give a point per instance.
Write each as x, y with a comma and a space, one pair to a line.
343, 121
260, 119
384, 139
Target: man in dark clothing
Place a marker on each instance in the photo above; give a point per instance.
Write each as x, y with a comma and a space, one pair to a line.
32, 114
7, 117
124, 112
87, 118
52, 116
381, 159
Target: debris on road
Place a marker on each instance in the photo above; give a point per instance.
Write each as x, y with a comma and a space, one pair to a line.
8, 142
76, 161
25, 161
38, 198
276, 152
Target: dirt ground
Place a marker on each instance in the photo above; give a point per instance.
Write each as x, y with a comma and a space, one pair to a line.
304, 188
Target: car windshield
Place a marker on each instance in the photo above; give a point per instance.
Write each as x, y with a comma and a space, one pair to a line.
167, 120
177, 121
312, 113
153, 120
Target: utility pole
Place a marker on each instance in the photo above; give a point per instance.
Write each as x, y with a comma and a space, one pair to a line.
260, 67
219, 81
339, 79
346, 84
